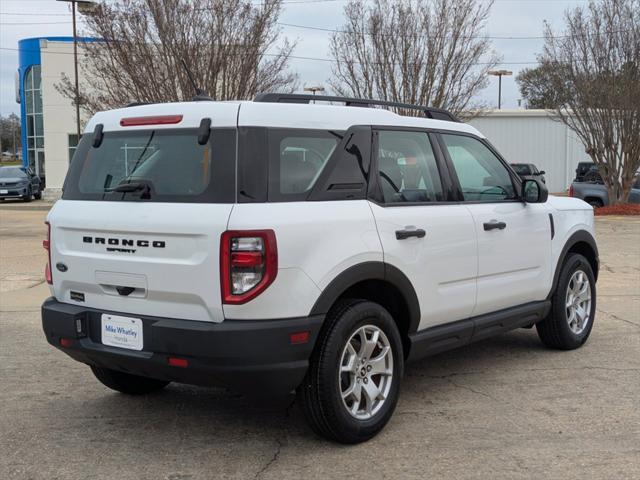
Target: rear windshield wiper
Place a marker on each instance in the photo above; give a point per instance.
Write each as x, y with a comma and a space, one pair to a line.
128, 187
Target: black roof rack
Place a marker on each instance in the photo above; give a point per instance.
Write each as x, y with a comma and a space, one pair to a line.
429, 112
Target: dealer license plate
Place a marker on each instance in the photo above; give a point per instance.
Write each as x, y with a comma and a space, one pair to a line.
123, 332
4, 192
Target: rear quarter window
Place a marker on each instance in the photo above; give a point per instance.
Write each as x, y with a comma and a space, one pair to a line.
296, 160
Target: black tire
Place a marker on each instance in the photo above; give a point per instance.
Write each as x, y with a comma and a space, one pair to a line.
554, 331
320, 393
127, 383
38, 195
28, 197
594, 202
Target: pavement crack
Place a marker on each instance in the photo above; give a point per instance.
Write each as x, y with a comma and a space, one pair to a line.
616, 317
273, 460
470, 389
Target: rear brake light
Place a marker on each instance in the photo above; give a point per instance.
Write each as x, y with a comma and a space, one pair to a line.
153, 120
248, 264
571, 191
46, 244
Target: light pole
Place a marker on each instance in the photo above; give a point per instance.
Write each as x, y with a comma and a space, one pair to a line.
314, 90
84, 6
499, 74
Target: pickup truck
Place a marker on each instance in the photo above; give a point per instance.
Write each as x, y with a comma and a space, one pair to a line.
596, 195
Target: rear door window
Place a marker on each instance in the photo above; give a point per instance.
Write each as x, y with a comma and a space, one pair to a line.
407, 168
170, 164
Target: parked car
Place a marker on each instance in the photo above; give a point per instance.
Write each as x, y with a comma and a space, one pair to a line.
19, 182
596, 194
277, 245
525, 170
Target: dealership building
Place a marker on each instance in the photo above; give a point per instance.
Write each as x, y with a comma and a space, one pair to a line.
49, 122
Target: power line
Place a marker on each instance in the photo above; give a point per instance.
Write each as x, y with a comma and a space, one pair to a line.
293, 57
35, 23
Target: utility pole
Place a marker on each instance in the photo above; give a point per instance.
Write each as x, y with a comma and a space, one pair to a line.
87, 6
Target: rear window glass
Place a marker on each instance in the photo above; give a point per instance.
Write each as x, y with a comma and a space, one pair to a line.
167, 165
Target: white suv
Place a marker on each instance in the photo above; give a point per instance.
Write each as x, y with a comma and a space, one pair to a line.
281, 245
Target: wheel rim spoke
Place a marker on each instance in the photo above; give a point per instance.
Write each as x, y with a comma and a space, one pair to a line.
379, 363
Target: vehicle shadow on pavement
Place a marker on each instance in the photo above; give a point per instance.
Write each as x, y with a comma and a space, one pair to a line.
214, 414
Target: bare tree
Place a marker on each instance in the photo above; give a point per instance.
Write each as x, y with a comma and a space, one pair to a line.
228, 45
598, 58
416, 51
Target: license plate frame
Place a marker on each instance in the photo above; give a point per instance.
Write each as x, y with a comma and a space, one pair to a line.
121, 332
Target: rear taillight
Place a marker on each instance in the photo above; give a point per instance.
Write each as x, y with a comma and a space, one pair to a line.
248, 264
46, 244
571, 191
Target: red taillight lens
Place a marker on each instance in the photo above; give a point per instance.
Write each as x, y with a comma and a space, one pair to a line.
248, 264
178, 362
46, 244
153, 120
299, 337
571, 191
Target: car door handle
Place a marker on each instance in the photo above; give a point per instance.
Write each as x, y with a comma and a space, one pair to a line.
493, 224
410, 232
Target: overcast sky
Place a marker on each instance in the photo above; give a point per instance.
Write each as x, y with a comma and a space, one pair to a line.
509, 18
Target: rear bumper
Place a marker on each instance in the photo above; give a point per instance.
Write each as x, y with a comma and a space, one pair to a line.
248, 356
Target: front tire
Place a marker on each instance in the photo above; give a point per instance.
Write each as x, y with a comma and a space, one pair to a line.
573, 306
353, 382
27, 198
127, 383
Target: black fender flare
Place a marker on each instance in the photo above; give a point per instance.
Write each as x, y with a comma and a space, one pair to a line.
370, 271
575, 238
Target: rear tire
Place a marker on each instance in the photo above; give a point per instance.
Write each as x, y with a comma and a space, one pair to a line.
594, 202
353, 382
127, 383
573, 306
38, 195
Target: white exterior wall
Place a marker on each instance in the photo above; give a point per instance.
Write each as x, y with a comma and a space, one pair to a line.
533, 136
59, 114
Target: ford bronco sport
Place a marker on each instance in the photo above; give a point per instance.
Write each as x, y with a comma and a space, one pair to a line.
277, 245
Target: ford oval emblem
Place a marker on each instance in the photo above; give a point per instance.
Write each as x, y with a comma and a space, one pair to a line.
62, 267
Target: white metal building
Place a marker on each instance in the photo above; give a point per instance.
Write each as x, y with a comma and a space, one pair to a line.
533, 136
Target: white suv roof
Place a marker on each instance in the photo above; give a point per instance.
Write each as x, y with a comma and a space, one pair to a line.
279, 115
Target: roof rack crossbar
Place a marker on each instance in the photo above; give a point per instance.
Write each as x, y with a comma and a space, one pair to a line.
429, 112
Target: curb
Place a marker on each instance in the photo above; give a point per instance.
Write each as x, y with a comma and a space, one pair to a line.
44, 207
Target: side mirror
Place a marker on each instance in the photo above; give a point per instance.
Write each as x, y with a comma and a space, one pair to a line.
534, 191
541, 172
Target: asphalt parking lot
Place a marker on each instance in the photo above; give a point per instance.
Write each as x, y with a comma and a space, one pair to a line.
502, 408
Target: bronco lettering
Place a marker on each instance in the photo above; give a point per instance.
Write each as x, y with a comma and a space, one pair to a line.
127, 242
